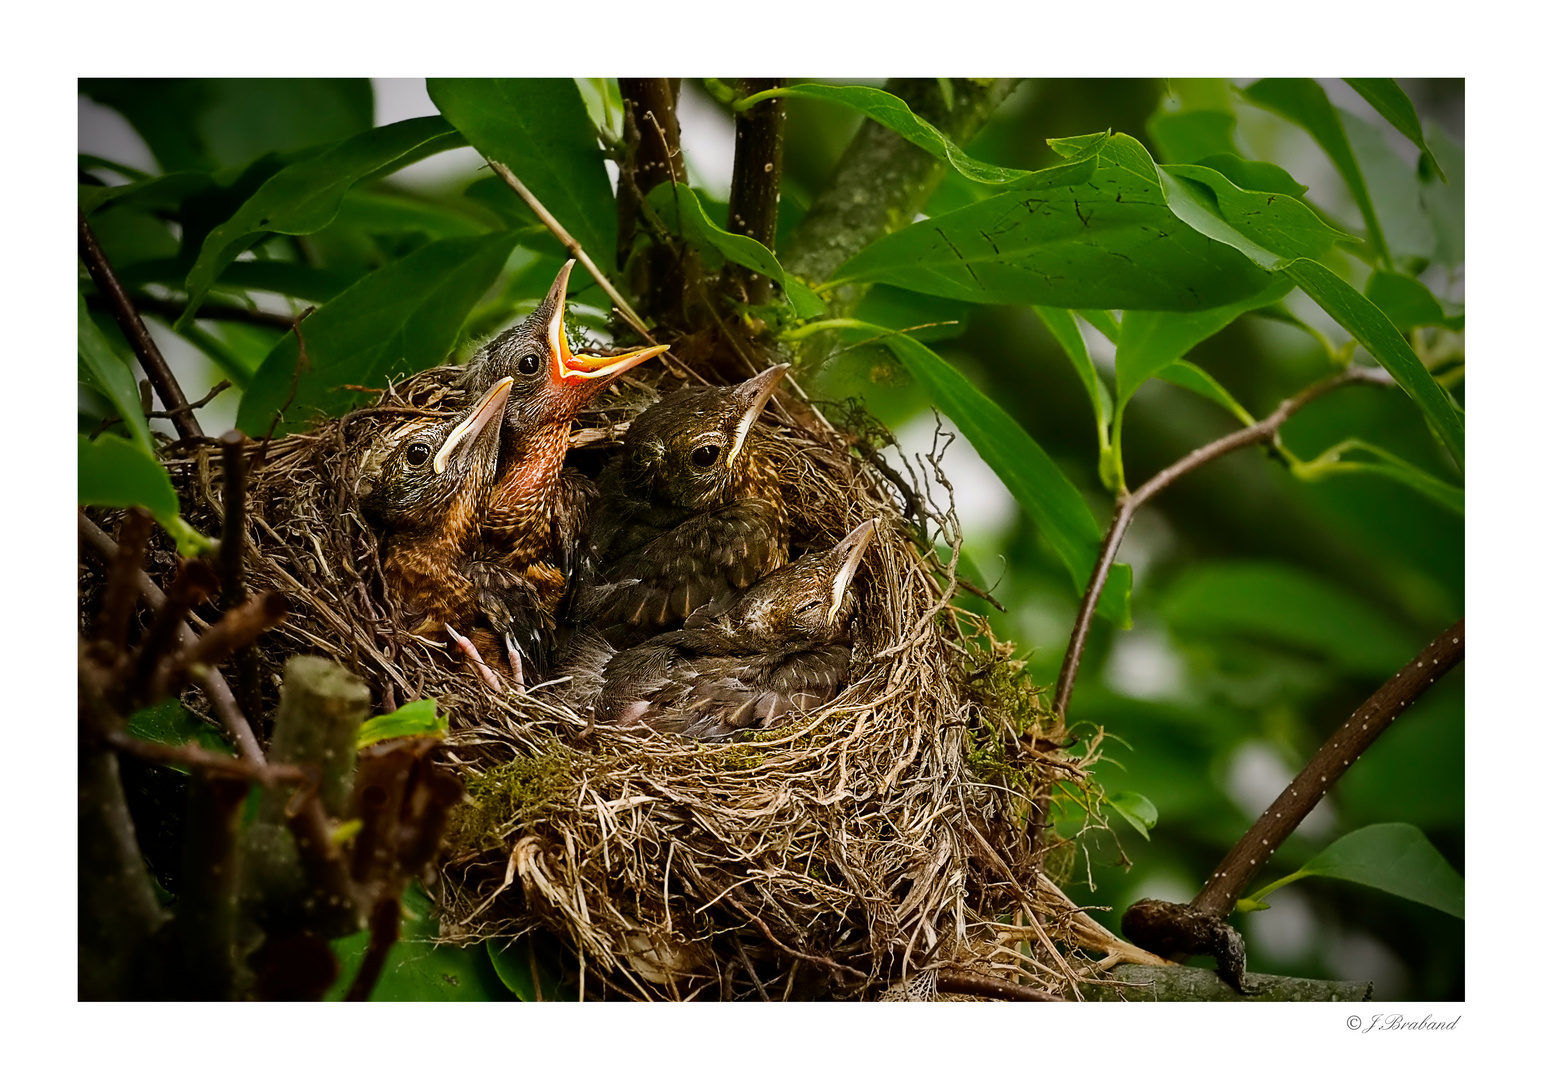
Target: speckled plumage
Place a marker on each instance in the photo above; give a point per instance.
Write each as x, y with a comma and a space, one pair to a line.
689, 514
781, 645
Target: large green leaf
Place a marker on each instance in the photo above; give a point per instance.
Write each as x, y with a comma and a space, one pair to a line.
207, 124
1044, 492
1282, 604
1151, 340
885, 108
413, 719
304, 198
678, 205
541, 129
404, 317
1389, 99
1199, 381
417, 969
1332, 462
158, 192
1394, 857
1250, 223
171, 724
1407, 302
110, 375
1303, 102
112, 471
1096, 232
1445, 204
530, 967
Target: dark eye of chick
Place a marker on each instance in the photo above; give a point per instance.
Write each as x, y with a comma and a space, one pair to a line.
418, 453
704, 456
808, 605
529, 364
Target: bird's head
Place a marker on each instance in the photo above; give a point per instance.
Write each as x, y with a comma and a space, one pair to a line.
550, 383
807, 602
435, 477
694, 448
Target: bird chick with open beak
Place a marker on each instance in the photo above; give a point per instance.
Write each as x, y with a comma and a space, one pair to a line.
427, 500
690, 513
534, 516
783, 644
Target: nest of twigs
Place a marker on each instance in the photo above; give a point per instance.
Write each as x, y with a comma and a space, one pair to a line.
884, 845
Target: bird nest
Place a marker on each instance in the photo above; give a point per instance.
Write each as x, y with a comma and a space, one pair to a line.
882, 845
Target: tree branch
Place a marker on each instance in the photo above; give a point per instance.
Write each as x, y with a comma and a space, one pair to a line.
757, 182
1126, 506
133, 327
1343, 748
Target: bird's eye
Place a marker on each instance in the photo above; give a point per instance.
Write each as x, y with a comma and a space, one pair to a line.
530, 363
808, 606
418, 453
704, 456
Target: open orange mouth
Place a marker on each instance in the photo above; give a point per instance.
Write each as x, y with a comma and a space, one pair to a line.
568, 365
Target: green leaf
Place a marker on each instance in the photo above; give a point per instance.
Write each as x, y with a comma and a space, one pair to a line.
1282, 604
304, 198
1254, 175
1199, 381
1151, 340
111, 375
170, 724
1394, 185
885, 108
1136, 809
1389, 99
112, 471
1044, 492
1445, 204
1332, 463
678, 205
1368, 325
413, 719
1303, 102
541, 129
404, 317
1238, 219
417, 969
155, 192
527, 968
1093, 233
1407, 302
1063, 327
1190, 136
1394, 857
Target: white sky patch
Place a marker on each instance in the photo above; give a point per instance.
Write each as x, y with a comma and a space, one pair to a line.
707, 140
987, 510
105, 133
1359, 957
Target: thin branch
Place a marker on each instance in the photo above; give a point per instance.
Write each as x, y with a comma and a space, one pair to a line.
212, 682
1126, 506
214, 392
172, 310
385, 928
574, 248
232, 587
757, 179
133, 327
1343, 748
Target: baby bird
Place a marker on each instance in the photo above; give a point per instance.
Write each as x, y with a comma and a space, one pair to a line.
690, 513
427, 500
533, 517
781, 645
